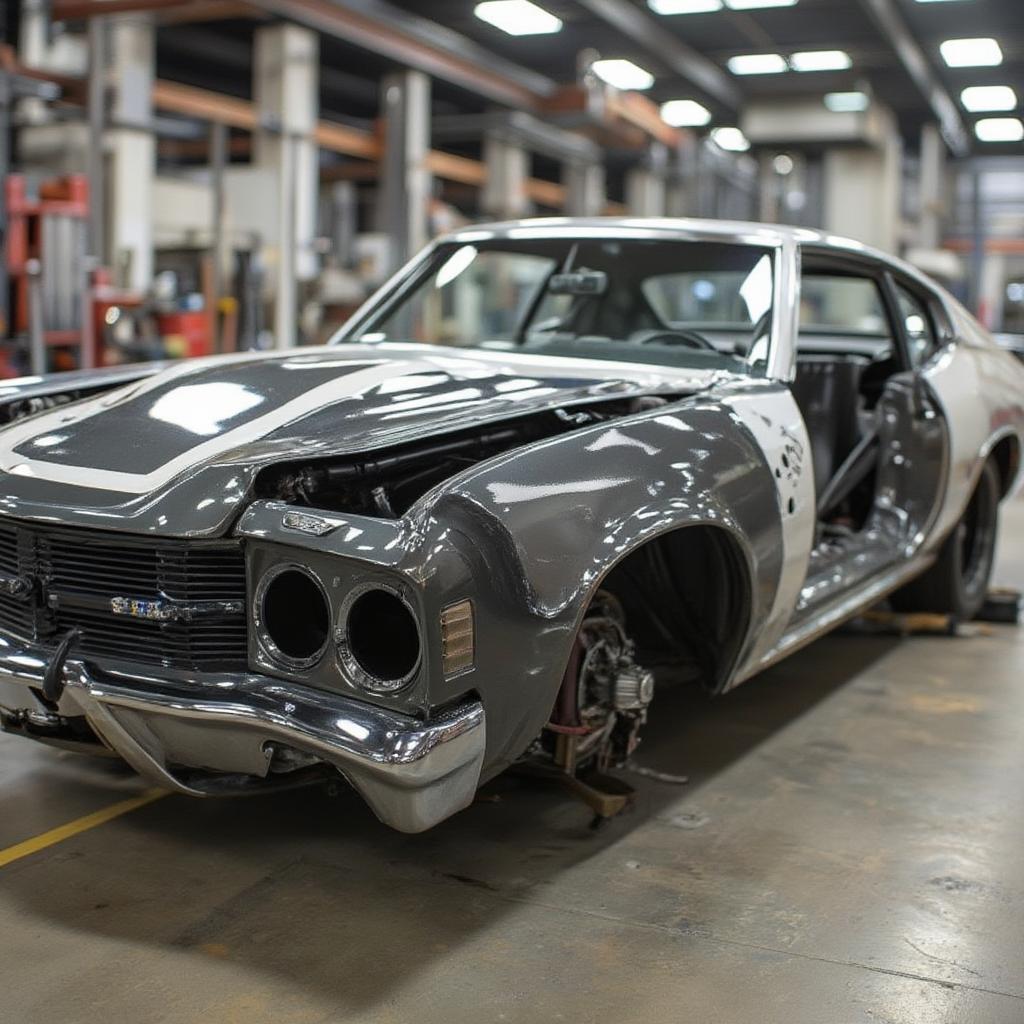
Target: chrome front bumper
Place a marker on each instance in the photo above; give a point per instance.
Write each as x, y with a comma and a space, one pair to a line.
412, 773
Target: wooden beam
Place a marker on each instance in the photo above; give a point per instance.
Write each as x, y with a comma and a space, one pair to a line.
462, 169
547, 193
640, 112
339, 138
174, 98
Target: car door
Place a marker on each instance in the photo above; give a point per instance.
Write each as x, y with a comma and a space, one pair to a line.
877, 434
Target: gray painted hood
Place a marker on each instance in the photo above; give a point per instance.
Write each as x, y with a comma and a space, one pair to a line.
177, 453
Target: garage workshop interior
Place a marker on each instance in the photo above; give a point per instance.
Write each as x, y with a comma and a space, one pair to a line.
510, 511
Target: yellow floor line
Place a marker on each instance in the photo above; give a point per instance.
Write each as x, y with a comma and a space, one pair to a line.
79, 825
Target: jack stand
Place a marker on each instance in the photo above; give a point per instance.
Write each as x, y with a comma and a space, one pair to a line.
606, 795
1002, 604
911, 623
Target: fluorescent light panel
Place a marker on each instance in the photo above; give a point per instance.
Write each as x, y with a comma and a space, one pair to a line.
758, 64
846, 102
820, 60
988, 97
731, 139
1000, 129
971, 53
623, 74
684, 6
518, 17
685, 114
753, 5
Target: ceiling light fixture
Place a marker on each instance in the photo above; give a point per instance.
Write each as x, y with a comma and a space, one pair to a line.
758, 64
988, 97
518, 17
820, 60
684, 6
1000, 129
846, 102
623, 74
971, 53
731, 139
753, 5
685, 114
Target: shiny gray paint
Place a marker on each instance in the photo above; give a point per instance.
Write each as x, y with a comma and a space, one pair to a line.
528, 535
542, 526
104, 450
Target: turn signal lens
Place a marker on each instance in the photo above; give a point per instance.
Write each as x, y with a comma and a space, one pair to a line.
457, 638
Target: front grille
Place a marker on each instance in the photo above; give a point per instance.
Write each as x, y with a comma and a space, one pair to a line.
182, 602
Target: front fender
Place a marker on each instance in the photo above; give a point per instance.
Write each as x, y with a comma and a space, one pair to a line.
538, 528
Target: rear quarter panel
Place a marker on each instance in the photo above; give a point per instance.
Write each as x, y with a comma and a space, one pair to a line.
981, 391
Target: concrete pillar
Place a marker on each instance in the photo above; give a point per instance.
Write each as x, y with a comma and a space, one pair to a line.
862, 192
131, 151
646, 185
405, 178
586, 192
32, 51
645, 192
932, 187
507, 167
286, 91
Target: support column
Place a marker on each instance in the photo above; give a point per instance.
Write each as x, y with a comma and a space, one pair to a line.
405, 179
286, 89
507, 166
645, 185
932, 189
862, 193
32, 52
586, 192
132, 151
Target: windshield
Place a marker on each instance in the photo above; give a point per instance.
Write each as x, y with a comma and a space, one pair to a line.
702, 304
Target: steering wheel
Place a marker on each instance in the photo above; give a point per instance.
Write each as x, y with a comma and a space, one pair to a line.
679, 336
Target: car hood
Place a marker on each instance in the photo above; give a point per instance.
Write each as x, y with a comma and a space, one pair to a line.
177, 453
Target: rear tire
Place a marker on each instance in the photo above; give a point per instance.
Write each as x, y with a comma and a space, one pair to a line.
957, 583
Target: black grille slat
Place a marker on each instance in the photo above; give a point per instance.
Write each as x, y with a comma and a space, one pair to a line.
101, 566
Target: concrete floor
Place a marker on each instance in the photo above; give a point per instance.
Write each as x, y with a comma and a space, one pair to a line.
849, 849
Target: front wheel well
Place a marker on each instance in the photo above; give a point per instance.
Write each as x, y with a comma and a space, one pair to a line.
687, 600
1006, 456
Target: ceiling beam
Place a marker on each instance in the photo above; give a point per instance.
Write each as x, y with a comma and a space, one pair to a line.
416, 43
659, 41
916, 64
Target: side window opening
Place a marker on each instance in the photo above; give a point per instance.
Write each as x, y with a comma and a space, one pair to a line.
918, 325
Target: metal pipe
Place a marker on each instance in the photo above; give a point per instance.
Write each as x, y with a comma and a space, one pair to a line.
978, 241
218, 163
97, 122
36, 336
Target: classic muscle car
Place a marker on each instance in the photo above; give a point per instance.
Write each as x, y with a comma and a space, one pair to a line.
545, 458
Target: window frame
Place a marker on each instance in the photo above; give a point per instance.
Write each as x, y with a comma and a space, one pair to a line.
938, 319
884, 276
784, 250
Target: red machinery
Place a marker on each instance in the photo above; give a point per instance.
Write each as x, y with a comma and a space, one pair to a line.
46, 234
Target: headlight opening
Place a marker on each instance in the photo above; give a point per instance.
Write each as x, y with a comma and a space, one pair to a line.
293, 616
378, 638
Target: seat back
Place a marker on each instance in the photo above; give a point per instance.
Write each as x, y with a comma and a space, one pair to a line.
827, 391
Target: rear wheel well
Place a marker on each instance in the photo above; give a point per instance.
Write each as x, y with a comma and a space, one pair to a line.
1006, 456
687, 599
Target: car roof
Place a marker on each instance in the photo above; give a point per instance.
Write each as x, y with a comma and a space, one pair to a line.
684, 228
